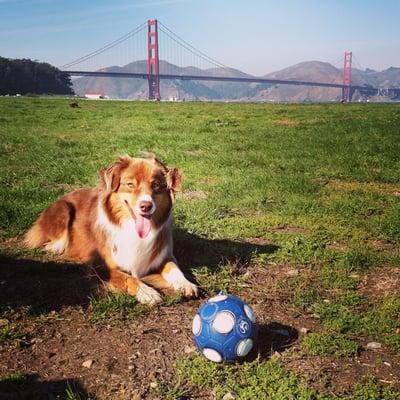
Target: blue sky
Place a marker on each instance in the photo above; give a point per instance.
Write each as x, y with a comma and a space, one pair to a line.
255, 36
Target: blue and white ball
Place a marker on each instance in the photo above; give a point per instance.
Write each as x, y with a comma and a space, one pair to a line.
224, 328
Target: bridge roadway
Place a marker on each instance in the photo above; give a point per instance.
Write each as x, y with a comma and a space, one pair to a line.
366, 90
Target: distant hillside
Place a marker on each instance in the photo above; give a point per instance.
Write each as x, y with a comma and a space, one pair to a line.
125, 88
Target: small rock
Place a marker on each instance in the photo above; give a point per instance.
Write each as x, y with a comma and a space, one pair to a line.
374, 345
153, 385
175, 331
87, 364
230, 396
293, 272
3, 322
189, 349
387, 364
276, 355
304, 330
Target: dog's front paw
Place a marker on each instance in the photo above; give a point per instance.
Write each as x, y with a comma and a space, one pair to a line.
147, 295
188, 289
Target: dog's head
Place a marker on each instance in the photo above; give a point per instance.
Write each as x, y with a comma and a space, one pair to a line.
139, 188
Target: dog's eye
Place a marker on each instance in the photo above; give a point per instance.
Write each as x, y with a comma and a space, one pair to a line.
158, 186
130, 185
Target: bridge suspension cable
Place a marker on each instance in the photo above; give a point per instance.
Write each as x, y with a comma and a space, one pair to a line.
103, 49
183, 43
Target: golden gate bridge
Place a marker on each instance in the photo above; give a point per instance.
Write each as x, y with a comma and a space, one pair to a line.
150, 40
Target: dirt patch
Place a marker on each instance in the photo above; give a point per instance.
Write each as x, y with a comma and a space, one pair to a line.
384, 245
366, 187
289, 229
286, 122
296, 122
193, 195
380, 282
338, 247
338, 375
64, 186
258, 241
124, 360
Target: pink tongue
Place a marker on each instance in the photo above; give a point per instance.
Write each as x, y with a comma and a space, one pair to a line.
143, 226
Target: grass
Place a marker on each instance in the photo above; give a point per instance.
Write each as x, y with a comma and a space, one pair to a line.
330, 344
368, 389
320, 182
12, 381
115, 308
257, 379
10, 334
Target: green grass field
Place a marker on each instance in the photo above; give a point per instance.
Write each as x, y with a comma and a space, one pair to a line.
298, 205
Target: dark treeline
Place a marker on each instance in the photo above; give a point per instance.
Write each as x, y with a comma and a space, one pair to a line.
26, 76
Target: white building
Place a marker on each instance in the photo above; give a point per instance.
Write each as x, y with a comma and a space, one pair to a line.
94, 96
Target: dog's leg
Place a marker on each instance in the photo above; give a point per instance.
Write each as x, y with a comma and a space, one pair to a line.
121, 281
170, 276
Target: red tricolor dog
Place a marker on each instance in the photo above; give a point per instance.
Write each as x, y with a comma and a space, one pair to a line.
126, 222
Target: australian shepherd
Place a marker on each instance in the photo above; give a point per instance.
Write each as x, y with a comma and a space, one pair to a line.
126, 223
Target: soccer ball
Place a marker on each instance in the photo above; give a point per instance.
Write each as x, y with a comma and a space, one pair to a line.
224, 328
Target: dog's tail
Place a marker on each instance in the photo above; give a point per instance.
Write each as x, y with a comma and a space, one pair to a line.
35, 237
51, 228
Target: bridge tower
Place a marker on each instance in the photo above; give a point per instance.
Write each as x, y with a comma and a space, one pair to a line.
152, 60
347, 90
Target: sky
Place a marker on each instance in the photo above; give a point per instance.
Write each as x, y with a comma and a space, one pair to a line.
255, 36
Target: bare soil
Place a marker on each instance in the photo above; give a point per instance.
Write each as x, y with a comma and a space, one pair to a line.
62, 348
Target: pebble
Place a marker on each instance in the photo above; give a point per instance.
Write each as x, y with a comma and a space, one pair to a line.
387, 364
276, 355
374, 345
153, 385
189, 349
230, 396
293, 272
87, 364
3, 322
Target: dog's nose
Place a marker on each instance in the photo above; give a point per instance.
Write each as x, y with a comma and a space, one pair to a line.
145, 206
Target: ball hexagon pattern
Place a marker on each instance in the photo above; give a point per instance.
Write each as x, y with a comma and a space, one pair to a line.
224, 328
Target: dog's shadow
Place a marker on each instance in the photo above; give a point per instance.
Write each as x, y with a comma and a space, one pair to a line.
32, 387
49, 285
193, 251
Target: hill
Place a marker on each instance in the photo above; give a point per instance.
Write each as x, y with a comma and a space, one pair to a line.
317, 71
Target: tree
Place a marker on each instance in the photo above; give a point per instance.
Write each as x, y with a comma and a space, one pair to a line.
26, 76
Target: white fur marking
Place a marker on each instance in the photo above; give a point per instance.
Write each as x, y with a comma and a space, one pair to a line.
147, 295
57, 247
132, 253
178, 281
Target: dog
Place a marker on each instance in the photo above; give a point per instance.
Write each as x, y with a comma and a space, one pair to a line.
125, 224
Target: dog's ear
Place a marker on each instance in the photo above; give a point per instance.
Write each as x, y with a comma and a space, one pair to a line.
174, 179
110, 177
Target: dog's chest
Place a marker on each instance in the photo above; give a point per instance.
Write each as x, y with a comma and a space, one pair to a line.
133, 254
